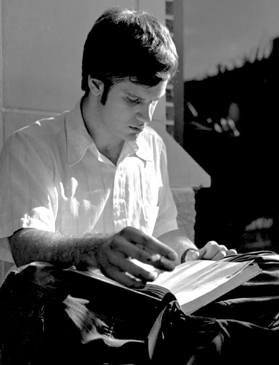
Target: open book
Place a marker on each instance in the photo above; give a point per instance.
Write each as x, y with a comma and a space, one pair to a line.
194, 283
197, 283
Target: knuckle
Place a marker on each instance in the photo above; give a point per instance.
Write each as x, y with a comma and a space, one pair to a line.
212, 243
223, 253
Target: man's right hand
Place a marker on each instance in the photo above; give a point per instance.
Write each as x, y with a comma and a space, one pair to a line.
113, 257
112, 254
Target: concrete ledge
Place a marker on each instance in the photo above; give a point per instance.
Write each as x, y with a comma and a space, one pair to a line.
185, 201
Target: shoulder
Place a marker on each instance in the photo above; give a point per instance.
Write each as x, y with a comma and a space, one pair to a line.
45, 127
41, 138
43, 132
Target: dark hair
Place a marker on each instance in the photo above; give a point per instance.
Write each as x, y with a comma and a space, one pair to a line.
128, 44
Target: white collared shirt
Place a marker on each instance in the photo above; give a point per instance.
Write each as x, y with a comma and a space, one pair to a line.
53, 178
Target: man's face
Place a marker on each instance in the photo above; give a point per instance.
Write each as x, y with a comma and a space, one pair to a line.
129, 108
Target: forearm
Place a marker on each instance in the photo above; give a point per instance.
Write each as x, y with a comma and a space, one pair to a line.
29, 245
178, 241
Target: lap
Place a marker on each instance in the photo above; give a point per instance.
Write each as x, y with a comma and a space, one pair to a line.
256, 301
244, 320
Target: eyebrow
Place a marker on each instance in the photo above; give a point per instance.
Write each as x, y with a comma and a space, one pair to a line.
140, 98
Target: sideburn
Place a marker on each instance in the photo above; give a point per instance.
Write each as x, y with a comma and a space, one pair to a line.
104, 97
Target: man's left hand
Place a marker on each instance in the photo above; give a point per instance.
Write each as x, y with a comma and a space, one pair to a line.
211, 251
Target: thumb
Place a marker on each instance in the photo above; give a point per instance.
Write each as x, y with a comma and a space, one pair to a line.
192, 255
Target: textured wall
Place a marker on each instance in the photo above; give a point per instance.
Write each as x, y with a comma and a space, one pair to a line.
185, 202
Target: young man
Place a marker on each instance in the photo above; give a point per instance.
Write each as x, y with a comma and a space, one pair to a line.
90, 187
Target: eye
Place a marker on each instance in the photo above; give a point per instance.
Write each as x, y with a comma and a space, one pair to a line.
133, 100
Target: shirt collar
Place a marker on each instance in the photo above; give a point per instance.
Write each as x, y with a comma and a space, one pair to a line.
79, 140
142, 146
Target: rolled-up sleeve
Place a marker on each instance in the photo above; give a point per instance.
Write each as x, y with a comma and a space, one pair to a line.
26, 187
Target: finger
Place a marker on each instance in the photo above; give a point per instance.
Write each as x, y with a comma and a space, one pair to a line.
213, 251
125, 279
155, 259
120, 245
223, 252
219, 255
148, 243
153, 245
210, 250
205, 253
120, 263
232, 251
164, 264
207, 250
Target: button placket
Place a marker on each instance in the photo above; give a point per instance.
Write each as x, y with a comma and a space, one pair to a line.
119, 203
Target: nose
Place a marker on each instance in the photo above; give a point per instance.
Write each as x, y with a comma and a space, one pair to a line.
145, 114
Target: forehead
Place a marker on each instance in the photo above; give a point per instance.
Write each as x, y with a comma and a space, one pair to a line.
144, 92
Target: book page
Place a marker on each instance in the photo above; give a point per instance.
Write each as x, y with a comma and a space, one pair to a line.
194, 279
196, 273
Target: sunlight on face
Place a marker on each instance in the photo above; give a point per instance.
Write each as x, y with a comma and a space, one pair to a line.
129, 108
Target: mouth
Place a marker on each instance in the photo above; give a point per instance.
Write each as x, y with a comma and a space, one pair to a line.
136, 129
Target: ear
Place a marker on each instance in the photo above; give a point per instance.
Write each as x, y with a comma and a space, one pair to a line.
96, 86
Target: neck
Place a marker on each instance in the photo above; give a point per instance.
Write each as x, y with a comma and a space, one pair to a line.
107, 146
112, 152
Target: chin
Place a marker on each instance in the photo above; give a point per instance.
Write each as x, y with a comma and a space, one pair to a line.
132, 137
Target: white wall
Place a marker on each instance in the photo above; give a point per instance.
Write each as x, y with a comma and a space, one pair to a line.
42, 43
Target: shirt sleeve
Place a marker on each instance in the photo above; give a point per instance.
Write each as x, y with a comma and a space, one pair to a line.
26, 186
167, 214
